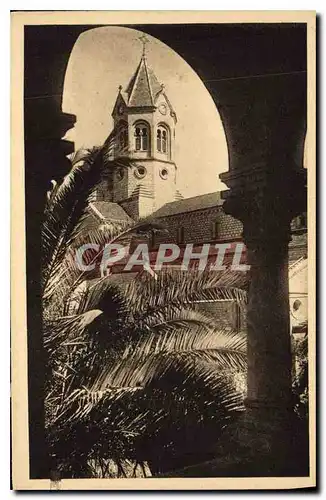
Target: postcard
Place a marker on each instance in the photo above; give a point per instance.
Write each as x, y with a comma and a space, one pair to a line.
163, 250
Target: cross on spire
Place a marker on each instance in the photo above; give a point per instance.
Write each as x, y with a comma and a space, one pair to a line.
144, 40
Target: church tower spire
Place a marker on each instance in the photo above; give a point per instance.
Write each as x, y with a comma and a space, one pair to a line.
144, 131
144, 40
143, 87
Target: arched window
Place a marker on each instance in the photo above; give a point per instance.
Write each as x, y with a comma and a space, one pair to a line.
123, 138
141, 137
162, 139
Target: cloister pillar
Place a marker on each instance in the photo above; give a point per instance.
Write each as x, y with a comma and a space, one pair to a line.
266, 235
267, 189
46, 58
266, 432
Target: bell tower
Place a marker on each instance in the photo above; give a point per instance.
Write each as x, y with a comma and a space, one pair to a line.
144, 132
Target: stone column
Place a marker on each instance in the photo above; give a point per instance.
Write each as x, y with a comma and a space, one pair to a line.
45, 159
263, 439
268, 347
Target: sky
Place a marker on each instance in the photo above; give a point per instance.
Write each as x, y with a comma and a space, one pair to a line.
106, 57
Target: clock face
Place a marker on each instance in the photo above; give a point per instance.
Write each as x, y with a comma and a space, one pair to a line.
162, 109
121, 109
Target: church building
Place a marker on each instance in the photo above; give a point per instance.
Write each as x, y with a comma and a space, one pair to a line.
144, 135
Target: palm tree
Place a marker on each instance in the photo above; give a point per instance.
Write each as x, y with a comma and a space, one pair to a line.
136, 375
64, 227
141, 374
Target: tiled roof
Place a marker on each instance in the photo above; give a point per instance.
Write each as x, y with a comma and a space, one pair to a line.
143, 86
155, 85
298, 247
110, 211
298, 266
296, 253
189, 205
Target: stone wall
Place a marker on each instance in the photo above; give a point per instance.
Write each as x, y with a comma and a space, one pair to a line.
227, 314
198, 227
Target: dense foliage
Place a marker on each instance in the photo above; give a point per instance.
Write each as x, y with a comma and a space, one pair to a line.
138, 377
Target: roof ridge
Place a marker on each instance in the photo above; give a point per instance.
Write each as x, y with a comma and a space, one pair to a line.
116, 211
142, 87
147, 77
96, 211
191, 204
196, 196
294, 267
133, 81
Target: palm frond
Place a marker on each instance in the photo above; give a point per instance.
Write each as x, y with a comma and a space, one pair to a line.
178, 287
136, 422
64, 210
105, 234
130, 364
187, 334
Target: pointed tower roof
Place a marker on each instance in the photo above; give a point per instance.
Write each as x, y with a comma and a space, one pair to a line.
143, 86
144, 89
